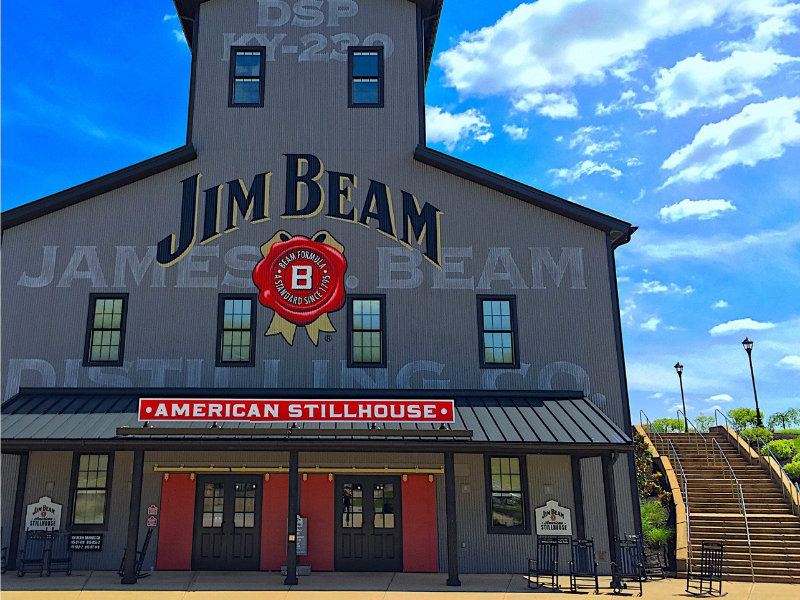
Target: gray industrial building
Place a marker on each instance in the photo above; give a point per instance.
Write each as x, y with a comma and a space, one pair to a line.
306, 249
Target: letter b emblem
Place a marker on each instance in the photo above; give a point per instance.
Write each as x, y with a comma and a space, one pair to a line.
301, 277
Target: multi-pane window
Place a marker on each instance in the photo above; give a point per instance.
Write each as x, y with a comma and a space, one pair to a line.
244, 505
213, 504
497, 320
507, 505
383, 505
367, 335
235, 332
93, 479
247, 77
105, 329
365, 65
352, 506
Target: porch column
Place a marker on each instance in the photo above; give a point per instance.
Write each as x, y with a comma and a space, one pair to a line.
19, 509
129, 575
291, 540
612, 522
577, 493
452, 526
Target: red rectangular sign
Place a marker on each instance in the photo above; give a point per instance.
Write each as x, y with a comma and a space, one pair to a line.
296, 411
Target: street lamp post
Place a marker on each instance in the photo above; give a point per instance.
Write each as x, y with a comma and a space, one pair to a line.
748, 346
679, 370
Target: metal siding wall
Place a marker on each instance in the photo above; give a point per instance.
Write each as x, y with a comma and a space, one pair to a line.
594, 506
9, 470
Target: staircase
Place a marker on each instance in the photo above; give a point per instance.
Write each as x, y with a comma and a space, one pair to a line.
715, 510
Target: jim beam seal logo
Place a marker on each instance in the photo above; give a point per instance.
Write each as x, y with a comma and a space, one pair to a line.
302, 280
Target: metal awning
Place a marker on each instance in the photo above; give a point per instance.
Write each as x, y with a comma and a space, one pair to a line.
53, 417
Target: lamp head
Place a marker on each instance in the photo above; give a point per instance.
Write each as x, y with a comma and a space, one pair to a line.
678, 368
748, 344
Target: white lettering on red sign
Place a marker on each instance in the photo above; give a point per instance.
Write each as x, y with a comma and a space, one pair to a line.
254, 411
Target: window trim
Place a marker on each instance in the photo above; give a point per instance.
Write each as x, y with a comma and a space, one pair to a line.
87, 345
73, 491
232, 75
491, 528
220, 329
512, 300
350, 52
370, 365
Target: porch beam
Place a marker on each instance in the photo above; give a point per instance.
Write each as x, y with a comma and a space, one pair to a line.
294, 502
129, 574
612, 521
577, 493
19, 509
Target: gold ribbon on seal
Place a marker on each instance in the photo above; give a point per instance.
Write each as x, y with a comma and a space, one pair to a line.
281, 326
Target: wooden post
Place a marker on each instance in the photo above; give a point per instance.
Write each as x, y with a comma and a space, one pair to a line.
612, 522
577, 493
452, 524
19, 509
129, 574
291, 540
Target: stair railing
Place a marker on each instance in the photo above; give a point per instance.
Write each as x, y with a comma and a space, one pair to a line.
707, 450
784, 477
737, 487
651, 431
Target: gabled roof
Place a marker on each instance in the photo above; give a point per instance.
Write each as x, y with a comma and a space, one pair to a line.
431, 11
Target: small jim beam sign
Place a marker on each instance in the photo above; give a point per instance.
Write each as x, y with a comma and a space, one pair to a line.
552, 519
43, 515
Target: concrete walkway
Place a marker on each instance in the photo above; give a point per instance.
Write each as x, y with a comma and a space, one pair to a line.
211, 585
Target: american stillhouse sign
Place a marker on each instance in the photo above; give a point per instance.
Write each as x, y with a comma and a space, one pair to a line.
460, 361
297, 411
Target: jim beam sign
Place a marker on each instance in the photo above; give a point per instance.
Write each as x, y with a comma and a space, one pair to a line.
43, 515
552, 519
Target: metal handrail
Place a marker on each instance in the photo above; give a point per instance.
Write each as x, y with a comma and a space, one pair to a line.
724, 416
698, 432
763, 445
685, 503
735, 484
652, 430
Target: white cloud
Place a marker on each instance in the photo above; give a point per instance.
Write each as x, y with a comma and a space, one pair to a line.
720, 398
555, 106
171, 17
759, 132
452, 128
696, 82
790, 362
775, 242
538, 51
587, 167
651, 324
651, 131
633, 162
515, 132
740, 325
625, 100
700, 209
656, 287
586, 139
720, 304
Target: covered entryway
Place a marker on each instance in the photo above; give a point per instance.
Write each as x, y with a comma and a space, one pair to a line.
227, 523
368, 524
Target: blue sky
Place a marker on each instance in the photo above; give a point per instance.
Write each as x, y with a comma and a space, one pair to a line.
682, 118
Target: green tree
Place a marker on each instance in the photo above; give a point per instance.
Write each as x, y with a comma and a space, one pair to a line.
703, 422
743, 417
668, 425
788, 417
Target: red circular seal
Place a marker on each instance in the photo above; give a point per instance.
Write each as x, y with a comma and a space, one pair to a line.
301, 279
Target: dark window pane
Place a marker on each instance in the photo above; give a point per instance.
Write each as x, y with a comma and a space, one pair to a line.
507, 510
365, 91
365, 64
248, 63
246, 91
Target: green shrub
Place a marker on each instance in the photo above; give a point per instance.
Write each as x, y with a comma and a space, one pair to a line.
788, 431
668, 425
796, 444
752, 433
782, 449
654, 521
796, 458
743, 417
793, 469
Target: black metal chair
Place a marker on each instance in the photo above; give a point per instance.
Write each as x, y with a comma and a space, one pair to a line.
708, 571
546, 562
629, 565
654, 564
34, 554
60, 556
583, 564
140, 554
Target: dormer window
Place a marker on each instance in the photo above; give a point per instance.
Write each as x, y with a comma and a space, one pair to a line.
247, 76
365, 68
